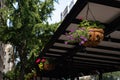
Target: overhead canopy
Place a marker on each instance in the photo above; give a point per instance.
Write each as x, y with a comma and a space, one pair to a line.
76, 60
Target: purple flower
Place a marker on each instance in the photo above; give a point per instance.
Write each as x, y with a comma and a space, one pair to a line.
71, 38
82, 42
66, 33
83, 38
71, 30
66, 42
82, 29
79, 43
91, 30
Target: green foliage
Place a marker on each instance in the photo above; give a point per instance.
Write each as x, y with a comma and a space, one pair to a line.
28, 30
30, 75
10, 75
81, 35
111, 75
78, 35
49, 61
90, 23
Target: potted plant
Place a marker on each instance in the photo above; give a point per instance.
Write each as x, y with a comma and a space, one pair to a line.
49, 64
46, 64
40, 62
89, 33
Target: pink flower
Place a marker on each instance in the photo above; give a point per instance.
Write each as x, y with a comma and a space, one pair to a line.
38, 60
80, 17
43, 60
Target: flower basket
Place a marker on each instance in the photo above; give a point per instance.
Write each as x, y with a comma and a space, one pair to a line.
45, 64
89, 33
95, 37
49, 65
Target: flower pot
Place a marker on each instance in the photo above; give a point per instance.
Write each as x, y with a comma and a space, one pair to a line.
95, 36
49, 67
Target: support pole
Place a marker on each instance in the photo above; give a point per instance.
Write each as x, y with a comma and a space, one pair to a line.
77, 78
40, 77
100, 76
50, 78
72, 78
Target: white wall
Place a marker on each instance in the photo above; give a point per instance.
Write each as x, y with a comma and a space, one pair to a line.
67, 9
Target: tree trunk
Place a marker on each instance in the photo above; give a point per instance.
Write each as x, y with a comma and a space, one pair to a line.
22, 69
23, 61
22, 72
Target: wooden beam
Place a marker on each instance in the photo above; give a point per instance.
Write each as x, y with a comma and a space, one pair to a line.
97, 60
72, 14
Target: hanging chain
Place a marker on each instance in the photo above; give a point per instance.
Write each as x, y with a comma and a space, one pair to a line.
87, 13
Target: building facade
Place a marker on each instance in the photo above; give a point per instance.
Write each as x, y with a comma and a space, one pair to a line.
67, 9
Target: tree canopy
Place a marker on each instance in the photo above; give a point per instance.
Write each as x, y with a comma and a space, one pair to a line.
24, 25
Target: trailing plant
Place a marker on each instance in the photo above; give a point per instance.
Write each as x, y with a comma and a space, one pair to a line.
45, 63
91, 24
82, 34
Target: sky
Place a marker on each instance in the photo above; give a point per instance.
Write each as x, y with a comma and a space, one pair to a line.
59, 7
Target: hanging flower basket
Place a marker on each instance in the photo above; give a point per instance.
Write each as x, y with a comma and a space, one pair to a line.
46, 64
49, 64
89, 33
49, 67
95, 37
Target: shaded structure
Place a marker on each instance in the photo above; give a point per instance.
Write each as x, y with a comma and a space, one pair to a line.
73, 60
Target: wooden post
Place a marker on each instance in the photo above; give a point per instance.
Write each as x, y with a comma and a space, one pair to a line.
50, 78
40, 77
100, 76
77, 78
72, 78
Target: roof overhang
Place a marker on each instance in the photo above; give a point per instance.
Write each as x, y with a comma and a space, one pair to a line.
76, 60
